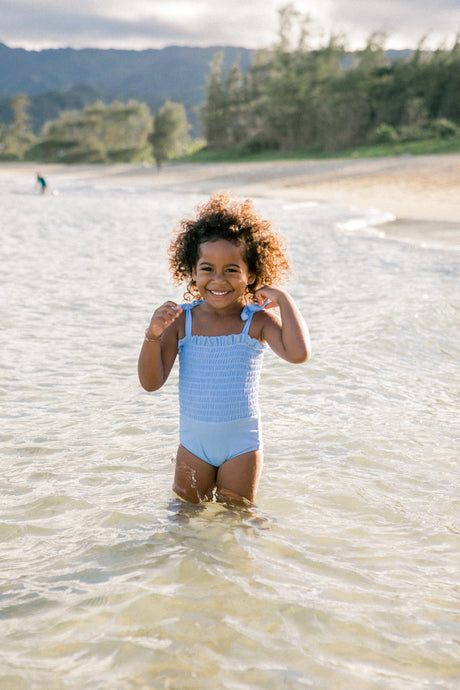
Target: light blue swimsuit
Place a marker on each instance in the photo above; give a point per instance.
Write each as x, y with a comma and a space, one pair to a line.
219, 391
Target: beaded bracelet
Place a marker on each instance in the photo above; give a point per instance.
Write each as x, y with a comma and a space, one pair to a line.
151, 340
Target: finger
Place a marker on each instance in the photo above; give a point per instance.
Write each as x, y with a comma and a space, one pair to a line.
171, 315
172, 306
263, 300
260, 298
169, 309
163, 319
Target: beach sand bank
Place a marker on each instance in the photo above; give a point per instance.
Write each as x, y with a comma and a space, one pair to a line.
421, 192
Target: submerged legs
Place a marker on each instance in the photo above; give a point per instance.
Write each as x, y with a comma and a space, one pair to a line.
235, 481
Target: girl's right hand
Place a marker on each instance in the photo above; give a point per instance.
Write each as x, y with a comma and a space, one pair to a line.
162, 318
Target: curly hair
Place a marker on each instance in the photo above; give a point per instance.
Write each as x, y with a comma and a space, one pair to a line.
236, 222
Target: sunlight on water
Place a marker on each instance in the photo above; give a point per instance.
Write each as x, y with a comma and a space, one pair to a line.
345, 575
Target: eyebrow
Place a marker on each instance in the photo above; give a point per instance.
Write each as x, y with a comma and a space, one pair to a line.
209, 263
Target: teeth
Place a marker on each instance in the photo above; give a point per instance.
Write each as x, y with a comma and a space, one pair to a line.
214, 292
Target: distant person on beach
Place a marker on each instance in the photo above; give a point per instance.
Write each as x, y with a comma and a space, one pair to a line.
231, 261
42, 182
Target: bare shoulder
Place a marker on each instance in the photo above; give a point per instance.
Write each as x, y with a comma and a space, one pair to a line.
264, 322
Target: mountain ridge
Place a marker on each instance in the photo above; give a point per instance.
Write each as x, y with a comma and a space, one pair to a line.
35, 72
57, 79
153, 76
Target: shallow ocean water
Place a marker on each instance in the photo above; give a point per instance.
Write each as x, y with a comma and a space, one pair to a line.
344, 575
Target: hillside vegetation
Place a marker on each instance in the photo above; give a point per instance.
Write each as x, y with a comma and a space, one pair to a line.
297, 98
292, 99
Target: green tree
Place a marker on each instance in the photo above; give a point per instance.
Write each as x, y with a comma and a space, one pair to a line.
100, 133
276, 105
213, 112
297, 97
286, 84
170, 132
346, 109
236, 114
18, 137
120, 129
288, 79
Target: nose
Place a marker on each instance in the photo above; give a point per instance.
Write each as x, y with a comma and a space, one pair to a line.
219, 276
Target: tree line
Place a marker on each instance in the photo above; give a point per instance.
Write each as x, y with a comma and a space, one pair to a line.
293, 97
100, 133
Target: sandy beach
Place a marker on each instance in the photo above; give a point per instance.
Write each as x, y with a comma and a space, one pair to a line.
421, 192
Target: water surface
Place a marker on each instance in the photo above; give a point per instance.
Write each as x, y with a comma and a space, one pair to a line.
346, 573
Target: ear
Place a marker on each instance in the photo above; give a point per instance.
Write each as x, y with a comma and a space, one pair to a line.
193, 274
251, 279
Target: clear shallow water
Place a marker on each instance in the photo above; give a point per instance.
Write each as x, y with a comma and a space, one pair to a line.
346, 574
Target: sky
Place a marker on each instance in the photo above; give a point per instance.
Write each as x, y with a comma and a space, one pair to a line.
141, 24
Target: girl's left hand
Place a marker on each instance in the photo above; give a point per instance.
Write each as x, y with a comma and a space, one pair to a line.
272, 294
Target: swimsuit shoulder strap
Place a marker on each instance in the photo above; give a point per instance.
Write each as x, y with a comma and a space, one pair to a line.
247, 323
248, 312
188, 306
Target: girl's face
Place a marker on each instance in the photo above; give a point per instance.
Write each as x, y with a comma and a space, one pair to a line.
221, 273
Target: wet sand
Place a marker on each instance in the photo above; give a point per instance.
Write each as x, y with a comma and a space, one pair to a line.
421, 192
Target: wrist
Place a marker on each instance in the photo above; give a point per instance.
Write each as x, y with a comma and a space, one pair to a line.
149, 338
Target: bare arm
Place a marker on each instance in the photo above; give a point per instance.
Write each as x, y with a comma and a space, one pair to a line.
159, 348
289, 339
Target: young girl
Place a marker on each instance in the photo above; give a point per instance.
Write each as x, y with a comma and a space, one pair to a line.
231, 261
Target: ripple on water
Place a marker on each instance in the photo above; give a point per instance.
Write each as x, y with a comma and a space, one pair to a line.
346, 573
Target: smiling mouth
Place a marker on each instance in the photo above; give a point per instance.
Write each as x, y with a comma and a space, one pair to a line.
218, 293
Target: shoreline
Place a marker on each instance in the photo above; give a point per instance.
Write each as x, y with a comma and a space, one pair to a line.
422, 193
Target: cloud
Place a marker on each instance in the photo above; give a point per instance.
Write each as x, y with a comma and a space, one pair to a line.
406, 21
136, 24
99, 28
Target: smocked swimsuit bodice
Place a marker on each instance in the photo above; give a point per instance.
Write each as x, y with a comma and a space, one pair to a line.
219, 375
219, 388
